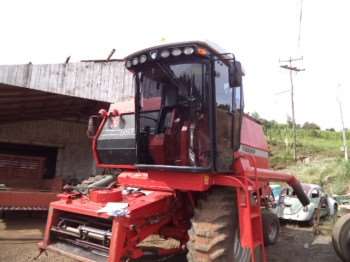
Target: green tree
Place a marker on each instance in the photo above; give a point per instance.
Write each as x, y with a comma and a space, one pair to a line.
310, 125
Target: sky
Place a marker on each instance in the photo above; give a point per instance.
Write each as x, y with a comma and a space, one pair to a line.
259, 33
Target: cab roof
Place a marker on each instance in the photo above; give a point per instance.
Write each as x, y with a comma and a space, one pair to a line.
211, 46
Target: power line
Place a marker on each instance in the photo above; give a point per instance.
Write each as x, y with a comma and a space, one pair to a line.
300, 21
282, 92
290, 60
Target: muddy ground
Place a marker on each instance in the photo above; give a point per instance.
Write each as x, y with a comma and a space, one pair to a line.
19, 234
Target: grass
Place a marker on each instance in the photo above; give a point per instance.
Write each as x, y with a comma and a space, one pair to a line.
332, 173
320, 159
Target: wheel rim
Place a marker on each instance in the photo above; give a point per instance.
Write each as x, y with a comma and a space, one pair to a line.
236, 244
272, 231
238, 252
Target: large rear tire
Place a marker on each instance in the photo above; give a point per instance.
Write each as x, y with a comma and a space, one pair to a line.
341, 237
214, 233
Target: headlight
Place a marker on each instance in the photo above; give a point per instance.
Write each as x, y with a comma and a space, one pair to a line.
188, 50
143, 59
153, 55
128, 64
202, 51
165, 53
135, 61
176, 52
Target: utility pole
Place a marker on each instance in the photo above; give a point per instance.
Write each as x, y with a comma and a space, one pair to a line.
291, 70
345, 146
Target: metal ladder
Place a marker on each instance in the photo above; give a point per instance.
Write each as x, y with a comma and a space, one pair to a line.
250, 212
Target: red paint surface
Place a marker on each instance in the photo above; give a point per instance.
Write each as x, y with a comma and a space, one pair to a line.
252, 134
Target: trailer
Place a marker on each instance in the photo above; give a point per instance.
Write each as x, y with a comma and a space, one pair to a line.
183, 162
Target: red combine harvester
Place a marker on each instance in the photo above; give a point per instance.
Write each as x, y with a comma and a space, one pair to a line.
185, 163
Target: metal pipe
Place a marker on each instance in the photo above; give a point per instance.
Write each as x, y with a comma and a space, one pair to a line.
73, 230
89, 232
95, 232
270, 175
102, 182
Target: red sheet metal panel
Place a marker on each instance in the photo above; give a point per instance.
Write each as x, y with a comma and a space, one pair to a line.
252, 134
26, 200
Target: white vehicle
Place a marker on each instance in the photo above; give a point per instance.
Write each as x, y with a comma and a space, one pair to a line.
290, 208
276, 191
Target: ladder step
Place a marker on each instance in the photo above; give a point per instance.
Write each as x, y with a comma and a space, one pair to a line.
252, 189
255, 215
257, 243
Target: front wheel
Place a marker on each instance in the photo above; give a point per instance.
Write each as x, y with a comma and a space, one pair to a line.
335, 208
271, 227
214, 232
312, 220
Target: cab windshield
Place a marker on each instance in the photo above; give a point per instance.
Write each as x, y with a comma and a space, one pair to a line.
172, 117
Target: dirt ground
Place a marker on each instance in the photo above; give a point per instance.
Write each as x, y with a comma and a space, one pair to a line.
298, 243
19, 234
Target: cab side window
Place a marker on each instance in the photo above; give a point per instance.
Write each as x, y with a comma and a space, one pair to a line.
223, 111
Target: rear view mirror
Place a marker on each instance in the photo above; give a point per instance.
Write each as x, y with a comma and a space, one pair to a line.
93, 124
235, 74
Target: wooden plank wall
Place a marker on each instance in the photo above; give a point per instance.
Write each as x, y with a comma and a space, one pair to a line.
103, 81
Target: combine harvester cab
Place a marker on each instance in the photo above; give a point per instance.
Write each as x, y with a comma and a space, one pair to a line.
185, 163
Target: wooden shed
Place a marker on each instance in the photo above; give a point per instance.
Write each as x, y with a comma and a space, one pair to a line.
43, 117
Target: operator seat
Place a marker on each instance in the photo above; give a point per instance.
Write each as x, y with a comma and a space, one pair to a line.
163, 146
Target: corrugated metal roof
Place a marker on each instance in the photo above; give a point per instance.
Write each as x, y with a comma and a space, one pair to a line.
102, 81
22, 104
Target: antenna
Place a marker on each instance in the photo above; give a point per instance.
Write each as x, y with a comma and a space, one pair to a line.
110, 55
67, 60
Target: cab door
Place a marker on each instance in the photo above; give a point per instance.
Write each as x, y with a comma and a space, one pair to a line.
224, 120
